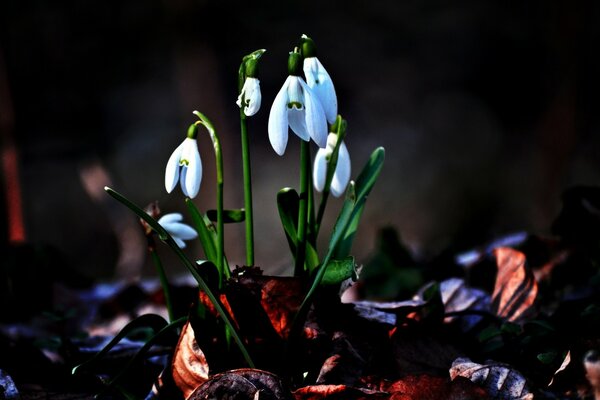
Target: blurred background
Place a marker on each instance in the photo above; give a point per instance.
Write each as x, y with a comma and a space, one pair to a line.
487, 111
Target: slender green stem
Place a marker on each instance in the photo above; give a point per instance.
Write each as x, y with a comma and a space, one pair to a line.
249, 218
302, 207
223, 272
166, 237
164, 282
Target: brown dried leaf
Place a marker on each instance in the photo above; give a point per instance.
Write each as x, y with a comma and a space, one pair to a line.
425, 387
189, 367
243, 384
515, 289
281, 298
337, 392
499, 380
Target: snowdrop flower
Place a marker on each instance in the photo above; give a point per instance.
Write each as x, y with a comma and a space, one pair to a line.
251, 96
341, 176
184, 165
298, 107
178, 230
318, 79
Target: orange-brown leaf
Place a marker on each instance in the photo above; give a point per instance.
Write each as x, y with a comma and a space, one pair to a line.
515, 290
189, 367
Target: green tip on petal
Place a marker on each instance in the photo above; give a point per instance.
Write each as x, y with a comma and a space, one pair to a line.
295, 63
192, 132
308, 47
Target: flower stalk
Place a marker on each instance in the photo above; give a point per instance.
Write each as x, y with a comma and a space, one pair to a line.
223, 272
303, 207
248, 70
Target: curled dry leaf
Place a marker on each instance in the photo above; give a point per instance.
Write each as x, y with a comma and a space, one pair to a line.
189, 367
456, 296
243, 384
515, 289
499, 380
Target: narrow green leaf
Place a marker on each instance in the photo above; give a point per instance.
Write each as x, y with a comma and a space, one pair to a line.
152, 321
356, 196
338, 271
164, 235
288, 205
229, 216
364, 183
207, 237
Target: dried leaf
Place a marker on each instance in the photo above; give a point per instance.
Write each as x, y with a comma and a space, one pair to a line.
189, 367
425, 387
499, 380
563, 366
337, 392
281, 298
8, 390
243, 384
515, 289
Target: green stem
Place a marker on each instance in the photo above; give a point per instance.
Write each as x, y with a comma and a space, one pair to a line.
164, 282
166, 237
302, 207
223, 272
249, 218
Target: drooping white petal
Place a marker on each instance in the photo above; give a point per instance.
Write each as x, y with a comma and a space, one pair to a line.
193, 176
182, 231
172, 170
183, 174
169, 218
297, 123
320, 82
278, 120
316, 122
179, 242
320, 170
341, 177
252, 96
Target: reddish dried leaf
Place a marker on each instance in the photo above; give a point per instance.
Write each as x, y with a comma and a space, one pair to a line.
189, 367
337, 392
211, 308
281, 298
516, 289
425, 387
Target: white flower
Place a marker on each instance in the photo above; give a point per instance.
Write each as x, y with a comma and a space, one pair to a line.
251, 94
184, 165
341, 176
178, 231
296, 106
321, 84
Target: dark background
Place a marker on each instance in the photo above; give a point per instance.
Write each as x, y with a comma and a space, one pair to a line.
487, 111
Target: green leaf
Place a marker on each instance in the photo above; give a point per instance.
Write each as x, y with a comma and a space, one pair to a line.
152, 321
488, 333
356, 196
338, 271
164, 235
364, 183
288, 205
229, 216
206, 232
